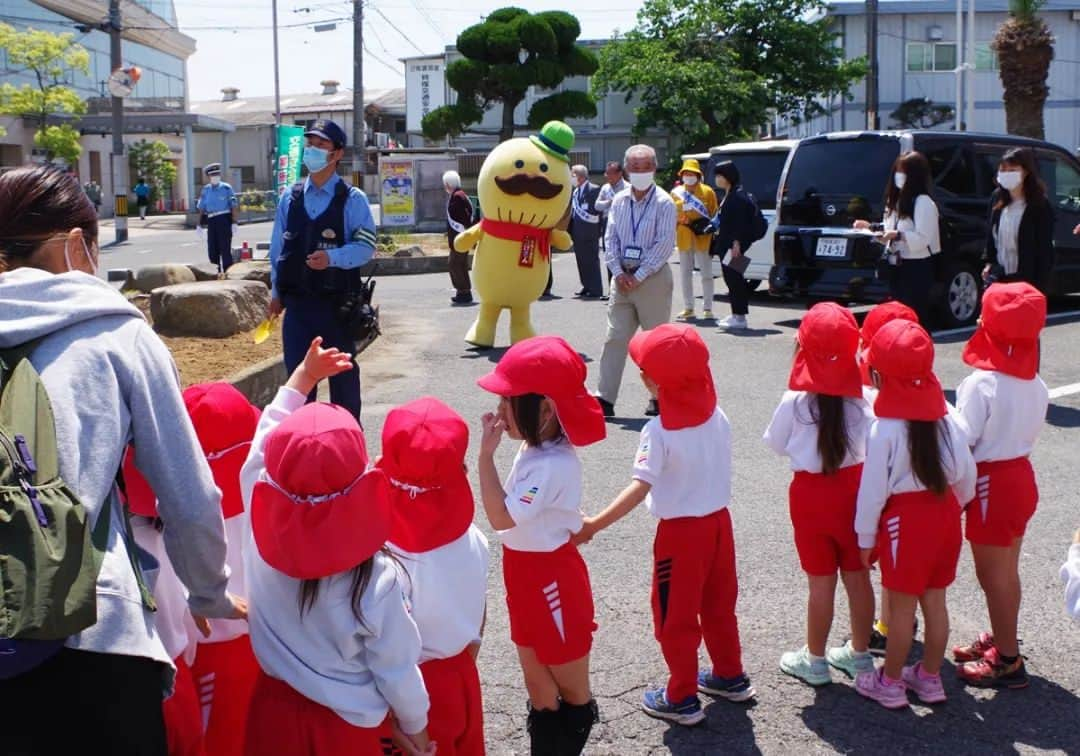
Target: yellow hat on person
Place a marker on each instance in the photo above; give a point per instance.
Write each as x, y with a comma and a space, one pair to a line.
691, 165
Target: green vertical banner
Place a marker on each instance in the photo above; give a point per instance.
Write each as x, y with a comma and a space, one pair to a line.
290, 148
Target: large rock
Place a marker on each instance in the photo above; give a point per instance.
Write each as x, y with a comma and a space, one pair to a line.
204, 271
412, 251
250, 270
150, 277
217, 309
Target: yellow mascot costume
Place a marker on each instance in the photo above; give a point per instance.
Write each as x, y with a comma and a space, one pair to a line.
524, 188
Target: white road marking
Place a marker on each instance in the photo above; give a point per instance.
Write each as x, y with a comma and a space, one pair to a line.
1060, 391
971, 329
144, 251
189, 244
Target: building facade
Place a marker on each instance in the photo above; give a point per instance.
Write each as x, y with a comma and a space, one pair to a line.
918, 58
599, 140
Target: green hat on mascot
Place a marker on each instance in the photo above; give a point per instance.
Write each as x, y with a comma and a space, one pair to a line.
556, 138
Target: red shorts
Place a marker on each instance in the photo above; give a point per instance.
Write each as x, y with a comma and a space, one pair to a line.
1005, 499
183, 723
283, 722
919, 541
549, 600
823, 514
456, 716
225, 675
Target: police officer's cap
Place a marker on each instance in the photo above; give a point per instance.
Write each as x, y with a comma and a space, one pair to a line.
329, 131
214, 169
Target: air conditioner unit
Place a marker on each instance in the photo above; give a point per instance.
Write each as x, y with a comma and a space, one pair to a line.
382, 140
935, 33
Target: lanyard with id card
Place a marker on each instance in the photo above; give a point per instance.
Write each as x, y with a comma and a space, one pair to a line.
632, 253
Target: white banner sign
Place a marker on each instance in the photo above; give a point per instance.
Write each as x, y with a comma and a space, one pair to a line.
425, 89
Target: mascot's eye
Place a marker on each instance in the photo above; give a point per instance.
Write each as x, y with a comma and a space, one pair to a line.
519, 164
543, 167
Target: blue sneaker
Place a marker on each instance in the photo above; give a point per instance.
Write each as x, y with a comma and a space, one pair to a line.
731, 688
685, 712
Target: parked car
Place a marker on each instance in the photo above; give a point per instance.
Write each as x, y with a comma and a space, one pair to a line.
835, 179
760, 165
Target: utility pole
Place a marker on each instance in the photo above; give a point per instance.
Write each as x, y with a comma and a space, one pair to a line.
958, 109
277, 83
119, 159
970, 66
359, 126
872, 119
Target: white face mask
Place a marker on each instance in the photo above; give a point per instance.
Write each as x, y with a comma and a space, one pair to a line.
215, 180
1009, 180
899, 179
90, 260
642, 181
689, 180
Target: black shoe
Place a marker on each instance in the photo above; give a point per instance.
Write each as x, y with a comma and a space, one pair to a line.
582, 293
877, 643
591, 295
606, 407
546, 296
461, 299
652, 409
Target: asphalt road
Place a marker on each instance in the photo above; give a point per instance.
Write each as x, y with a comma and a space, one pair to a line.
427, 356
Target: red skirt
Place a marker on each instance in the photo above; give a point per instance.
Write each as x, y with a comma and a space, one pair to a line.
822, 511
183, 723
1005, 499
225, 675
456, 716
919, 541
549, 600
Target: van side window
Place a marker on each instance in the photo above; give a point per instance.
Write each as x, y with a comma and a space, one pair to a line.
1062, 182
952, 170
986, 165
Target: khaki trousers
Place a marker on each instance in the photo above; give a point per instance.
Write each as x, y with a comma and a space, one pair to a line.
698, 252
646, 307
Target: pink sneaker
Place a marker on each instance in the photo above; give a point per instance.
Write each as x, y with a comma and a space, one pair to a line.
928, 689
873, 685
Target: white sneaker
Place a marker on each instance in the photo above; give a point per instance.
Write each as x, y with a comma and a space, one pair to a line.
733, 323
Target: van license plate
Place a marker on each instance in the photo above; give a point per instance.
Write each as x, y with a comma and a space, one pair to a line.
831, 247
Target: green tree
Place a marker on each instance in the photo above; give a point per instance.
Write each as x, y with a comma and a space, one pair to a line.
152, 161
922, 113
49, 59
509, 52
1025, 47
715, 70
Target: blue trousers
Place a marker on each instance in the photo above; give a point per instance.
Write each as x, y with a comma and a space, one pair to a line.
219, 240
307, 317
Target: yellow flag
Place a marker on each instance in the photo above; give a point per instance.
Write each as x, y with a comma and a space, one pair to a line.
263, 330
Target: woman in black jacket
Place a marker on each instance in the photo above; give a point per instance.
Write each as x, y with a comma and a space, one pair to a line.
1020, 244
734, 224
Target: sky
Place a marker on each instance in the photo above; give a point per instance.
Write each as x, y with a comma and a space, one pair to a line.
235, 41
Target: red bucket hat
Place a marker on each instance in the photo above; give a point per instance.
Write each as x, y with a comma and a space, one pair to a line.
141, 499
225, 423
872, 323
423, 455
676, 359
903, 355
549, 366
316, 512
825, 362
1007, 339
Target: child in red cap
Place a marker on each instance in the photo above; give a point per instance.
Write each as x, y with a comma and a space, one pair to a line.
337, 648
878, 316
431, 504
544, 404
821, 424
225, 669
1003, 405
172, 620
682, 471
917, 468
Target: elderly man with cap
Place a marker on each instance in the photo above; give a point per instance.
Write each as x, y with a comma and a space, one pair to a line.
459, 216
640, 238
585, 231
218, 207
323, 233
697, 204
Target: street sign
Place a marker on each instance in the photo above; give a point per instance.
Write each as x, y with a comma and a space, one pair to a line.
122, 81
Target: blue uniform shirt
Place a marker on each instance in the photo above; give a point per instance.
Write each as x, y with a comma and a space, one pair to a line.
359, 226
141, 190
217, 199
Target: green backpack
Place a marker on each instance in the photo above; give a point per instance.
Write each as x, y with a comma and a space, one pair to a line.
49, 555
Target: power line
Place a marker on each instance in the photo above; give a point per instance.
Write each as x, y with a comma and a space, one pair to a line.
404, 36
397, 70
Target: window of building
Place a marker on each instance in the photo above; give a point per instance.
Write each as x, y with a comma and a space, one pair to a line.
247, 174
931, 56
985, 57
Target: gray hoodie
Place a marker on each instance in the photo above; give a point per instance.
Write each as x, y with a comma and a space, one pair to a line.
111, 380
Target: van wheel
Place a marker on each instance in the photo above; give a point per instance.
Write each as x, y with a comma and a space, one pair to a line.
961, 294
752, 284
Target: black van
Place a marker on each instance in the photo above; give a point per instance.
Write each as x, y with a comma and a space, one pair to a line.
835, 179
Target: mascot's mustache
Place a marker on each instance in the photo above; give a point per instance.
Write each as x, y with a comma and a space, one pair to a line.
521, 183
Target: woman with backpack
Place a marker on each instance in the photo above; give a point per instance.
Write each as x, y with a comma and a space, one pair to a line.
738, 224
109, 380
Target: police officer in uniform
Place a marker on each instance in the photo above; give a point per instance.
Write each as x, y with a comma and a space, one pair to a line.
218, 208
323, 233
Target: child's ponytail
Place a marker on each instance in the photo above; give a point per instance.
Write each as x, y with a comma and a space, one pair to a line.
925, 441
833, 442
361, 578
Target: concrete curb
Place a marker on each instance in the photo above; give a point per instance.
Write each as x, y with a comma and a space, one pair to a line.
407, 266
260, 382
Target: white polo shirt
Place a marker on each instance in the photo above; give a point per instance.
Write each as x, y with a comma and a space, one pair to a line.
1001, 413
689, 469
543, 497
447, 589
793, 431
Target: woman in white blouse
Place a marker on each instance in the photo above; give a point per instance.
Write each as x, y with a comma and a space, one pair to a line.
912, 232
1020, 245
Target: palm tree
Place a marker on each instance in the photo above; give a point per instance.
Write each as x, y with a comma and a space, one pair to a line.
1025, 47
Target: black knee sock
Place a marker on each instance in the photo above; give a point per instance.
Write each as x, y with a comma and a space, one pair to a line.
544, 727
577, 723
